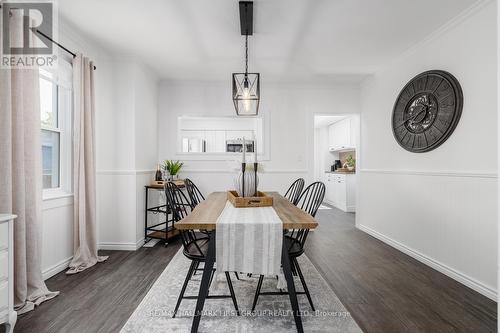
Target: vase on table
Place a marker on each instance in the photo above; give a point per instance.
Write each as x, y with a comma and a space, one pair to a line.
251, 183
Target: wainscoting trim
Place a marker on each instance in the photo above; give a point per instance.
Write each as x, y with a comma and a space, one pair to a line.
440, 267
459, 174
229, 171
57, 268
125, 172
144, 172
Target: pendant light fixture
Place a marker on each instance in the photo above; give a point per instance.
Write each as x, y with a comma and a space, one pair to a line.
246, 86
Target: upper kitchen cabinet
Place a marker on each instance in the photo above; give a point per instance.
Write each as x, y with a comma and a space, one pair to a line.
341, 135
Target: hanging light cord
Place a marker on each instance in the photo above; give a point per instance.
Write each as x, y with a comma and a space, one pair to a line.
246, 55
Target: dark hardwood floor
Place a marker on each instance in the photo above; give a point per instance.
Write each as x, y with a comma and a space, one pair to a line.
387, 291
384, 289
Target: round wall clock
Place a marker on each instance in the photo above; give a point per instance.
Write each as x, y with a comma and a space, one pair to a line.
427, 111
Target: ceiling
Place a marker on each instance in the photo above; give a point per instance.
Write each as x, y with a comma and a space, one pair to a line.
294, 40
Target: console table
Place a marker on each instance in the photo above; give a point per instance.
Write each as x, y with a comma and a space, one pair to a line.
163, 230
7, 314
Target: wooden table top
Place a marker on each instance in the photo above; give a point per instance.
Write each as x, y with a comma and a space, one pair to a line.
206, 214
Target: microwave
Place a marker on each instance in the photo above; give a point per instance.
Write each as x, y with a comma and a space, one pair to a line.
236, 146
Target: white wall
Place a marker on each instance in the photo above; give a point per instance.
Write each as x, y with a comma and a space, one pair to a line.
129, 148
290, 109
440, 206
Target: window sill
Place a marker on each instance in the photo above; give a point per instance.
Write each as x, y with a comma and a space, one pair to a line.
53, 194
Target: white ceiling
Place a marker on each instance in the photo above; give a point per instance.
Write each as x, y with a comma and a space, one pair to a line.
310, 40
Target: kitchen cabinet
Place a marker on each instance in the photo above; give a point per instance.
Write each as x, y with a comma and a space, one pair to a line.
341, 191
7, 314
341, 135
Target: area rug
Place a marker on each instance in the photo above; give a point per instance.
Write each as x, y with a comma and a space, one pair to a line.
272, 314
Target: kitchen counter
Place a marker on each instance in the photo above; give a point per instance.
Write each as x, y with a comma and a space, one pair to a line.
342, 172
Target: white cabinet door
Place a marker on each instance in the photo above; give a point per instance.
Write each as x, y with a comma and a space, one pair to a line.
215, 141
329, 193
340, 191
340, 135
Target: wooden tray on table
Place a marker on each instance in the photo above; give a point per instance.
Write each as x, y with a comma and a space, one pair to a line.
261, 200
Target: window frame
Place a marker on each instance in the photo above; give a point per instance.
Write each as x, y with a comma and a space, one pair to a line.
62, 78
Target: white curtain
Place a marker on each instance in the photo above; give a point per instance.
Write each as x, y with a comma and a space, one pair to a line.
84, 170
21, 175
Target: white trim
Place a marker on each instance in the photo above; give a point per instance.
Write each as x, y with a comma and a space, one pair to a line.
57, 202
141, 172
455, 21
57, 268
118, 246
233, 171
446, 173
440, 267
125, 172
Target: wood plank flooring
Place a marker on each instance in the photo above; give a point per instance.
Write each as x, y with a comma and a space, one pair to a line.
388, 291
384, 289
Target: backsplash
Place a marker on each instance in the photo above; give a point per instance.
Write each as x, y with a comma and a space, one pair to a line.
343, 155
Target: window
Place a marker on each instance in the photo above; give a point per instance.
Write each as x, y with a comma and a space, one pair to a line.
55, 109
50, 131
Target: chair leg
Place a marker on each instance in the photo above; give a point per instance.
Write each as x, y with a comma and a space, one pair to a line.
231, 291
197, 264
237, 276
257, 292
292, 267
294, 260
183, 290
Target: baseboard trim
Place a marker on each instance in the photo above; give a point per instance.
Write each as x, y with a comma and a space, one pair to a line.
57, 268
440, 267
115, 246
111, 246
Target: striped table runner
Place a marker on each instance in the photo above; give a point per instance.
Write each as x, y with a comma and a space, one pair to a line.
249, 240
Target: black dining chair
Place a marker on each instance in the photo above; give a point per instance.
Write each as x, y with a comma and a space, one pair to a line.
194, 193
294, 191
195, 244
196, 197
295, 239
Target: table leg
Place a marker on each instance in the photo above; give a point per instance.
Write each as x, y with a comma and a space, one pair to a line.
146, 218
205, 282
287, 271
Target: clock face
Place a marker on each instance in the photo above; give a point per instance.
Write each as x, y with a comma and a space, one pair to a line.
427, 111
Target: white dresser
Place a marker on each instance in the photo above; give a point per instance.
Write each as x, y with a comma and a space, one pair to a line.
7, 314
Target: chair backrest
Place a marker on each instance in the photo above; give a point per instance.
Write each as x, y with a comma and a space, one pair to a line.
312, 198
177, 202
309, 201
293, 192
194, 193
179, 205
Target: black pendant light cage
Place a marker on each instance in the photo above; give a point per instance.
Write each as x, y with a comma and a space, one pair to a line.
246, 93
246, 86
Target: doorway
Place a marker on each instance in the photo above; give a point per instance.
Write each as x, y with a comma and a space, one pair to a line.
336, 150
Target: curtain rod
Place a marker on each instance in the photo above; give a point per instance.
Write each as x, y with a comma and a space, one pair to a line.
61, 46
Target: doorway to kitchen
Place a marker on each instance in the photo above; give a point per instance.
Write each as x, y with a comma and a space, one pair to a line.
336, 148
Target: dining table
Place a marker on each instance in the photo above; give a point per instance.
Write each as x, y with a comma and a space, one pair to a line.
205, 216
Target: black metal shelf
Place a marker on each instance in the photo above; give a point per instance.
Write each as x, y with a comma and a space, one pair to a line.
164, 230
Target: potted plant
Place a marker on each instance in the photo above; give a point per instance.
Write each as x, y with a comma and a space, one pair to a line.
172, 167
350, 162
